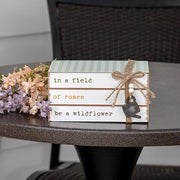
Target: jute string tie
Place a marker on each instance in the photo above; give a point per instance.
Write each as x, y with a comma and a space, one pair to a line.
131, 78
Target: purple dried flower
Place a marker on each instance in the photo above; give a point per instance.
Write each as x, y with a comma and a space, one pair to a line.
44, 108
11, 99
9, 91
5, 92
7, 106
22, 95
1, 107
1, 94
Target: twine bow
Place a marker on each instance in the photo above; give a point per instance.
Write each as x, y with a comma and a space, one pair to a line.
131, 78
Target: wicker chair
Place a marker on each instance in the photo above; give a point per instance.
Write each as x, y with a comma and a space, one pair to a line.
113, 29
146, 29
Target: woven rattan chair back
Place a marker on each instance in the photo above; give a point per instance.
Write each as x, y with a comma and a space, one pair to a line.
102, 32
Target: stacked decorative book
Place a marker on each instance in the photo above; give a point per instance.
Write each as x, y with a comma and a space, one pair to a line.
99, 91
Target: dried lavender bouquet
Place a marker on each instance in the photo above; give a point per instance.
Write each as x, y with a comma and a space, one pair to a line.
25, 90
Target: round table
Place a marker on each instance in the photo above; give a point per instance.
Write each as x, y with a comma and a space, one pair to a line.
109, 151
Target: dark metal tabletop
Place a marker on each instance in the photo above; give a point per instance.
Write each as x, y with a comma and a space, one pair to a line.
163, 128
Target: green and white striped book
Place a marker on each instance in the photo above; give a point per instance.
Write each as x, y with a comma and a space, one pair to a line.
87, 66
90, 74
78, 91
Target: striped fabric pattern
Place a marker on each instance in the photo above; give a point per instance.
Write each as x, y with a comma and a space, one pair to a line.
74, 66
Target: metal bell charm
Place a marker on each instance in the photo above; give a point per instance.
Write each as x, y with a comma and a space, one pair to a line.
131, 107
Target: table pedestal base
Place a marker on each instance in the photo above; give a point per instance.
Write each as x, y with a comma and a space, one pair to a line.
108, 163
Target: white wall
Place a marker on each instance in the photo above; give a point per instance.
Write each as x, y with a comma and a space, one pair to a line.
21, 17
19, 159
25, 48
25, 37
24, 32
